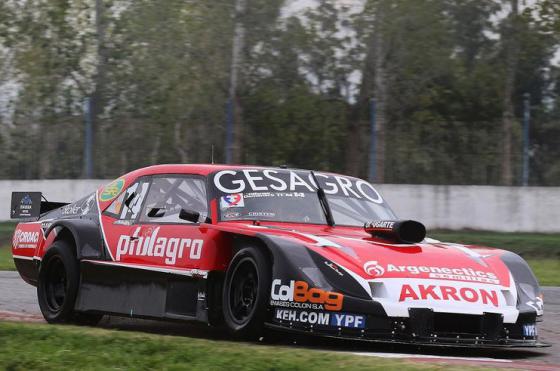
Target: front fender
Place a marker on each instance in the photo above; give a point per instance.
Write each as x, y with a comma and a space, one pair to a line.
296, 262
528, 290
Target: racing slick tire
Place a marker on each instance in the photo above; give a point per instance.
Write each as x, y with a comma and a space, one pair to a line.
246, 293
57, 287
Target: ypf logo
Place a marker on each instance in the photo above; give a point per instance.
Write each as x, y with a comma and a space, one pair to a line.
373, 268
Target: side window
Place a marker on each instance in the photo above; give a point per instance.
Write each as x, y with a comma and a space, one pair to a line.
134, 195
168, 195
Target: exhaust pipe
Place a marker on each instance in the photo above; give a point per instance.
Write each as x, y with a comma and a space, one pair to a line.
403, 231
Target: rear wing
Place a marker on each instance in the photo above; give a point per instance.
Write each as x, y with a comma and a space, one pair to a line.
26, 205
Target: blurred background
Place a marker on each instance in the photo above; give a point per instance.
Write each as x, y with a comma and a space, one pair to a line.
400, 91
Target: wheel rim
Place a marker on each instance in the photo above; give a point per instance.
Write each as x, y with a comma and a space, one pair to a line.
243, 291
56, 284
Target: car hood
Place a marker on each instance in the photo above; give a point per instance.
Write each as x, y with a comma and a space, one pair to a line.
444, 277
372, 258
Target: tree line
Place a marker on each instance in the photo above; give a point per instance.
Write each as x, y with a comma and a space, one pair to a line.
448, 78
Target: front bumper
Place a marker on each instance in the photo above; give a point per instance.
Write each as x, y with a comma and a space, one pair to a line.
424, 327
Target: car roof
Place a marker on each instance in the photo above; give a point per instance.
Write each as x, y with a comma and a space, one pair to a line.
198, 169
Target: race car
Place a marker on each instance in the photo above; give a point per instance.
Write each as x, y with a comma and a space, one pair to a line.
254, 248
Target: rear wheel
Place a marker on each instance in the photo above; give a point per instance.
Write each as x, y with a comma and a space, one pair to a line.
57, 287
246, 292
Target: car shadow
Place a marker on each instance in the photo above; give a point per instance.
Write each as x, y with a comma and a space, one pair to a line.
276, 338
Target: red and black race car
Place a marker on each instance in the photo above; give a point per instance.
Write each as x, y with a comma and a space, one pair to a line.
250, 247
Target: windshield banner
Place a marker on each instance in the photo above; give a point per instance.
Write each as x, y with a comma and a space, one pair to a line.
268, 180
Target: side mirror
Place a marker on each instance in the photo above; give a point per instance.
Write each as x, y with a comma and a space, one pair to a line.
189, 215
156, 212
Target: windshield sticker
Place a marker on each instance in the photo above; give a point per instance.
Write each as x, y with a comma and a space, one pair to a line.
292, 182
273, 194
261, 214
232, 200
230, 214
112, 190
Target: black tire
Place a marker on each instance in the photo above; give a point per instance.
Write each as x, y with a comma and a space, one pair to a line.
246, 293
57, 287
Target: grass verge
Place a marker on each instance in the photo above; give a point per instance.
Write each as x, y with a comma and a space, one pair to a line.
528, 245
6, 232
546, 271
6, 261
541, 250
49, 347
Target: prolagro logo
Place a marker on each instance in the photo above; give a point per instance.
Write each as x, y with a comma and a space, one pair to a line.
373, 268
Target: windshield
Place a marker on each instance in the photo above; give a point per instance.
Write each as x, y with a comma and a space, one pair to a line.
291, 196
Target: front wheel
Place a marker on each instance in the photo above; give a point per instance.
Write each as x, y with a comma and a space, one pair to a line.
246, 292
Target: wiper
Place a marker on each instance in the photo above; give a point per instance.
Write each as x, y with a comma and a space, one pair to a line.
323, 200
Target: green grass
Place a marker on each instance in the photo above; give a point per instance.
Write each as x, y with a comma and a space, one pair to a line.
49, 347
546, 270
6, 261
542, 251
528, 245
6, 232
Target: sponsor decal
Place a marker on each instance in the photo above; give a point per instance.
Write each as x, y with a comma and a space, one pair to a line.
26, 203
449, 293
45, 225
334, 267
112, 190
81, 207
273, 194
254, 180
169, 248
297, 294
380, 224
25, 240
537, 305
530, 330
261, 214
373, 268
232, 200
230, 214
321, 318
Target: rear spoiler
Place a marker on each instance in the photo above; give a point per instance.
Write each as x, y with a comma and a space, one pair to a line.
27, 205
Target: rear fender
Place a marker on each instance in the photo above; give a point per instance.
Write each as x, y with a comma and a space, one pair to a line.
89, 244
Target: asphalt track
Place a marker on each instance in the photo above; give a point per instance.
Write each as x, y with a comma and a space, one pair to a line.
18, 302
